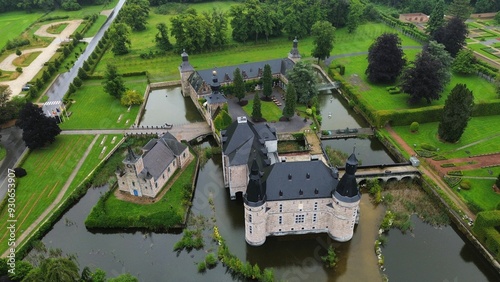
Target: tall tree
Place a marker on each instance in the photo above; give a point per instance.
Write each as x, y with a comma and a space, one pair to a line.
456, 113
256, 109
135, 14
436, 19
303, 79
485, 6
113, 82
124, 278
59, 269
323, 36
438, 52
460, 9
119, 36
464, 63
290, 101
354, 18
452, 36
161, 38
386, 59
38, 129
267, 82
238, 23
218, 20
421, 81
192, 31
238, 84
338, 12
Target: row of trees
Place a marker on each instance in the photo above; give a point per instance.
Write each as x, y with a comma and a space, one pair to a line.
48, 5
453, 7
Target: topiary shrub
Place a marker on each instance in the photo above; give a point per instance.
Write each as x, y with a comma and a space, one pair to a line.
414, 126
309, 112
466, 184
428, 147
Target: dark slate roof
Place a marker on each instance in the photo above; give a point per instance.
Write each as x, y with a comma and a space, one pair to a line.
196, 81
320, 183
131, 157
177, 147
216, 98
185, 65
150, 145
251, 69
156, 160
241, 140
256, 191
347, 190
352, 160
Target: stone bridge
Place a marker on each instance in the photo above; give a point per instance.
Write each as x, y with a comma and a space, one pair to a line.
188, 131
385, 173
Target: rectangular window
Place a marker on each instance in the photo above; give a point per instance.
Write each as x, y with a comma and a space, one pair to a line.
249, 218
281, 207
280, 219
168, 169
133, 183
314, 217
299, 218
250, 229
315, 206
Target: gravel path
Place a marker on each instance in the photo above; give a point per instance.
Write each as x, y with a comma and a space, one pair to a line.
47, 53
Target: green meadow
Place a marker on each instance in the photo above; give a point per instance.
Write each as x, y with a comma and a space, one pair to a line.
12, 24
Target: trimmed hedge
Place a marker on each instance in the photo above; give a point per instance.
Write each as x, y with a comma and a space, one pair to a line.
485, 231
456, 173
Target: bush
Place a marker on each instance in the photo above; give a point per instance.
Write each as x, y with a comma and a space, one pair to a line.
414, 126
202, 266
309, 112
19, 69
452, 181
428, 147
455, 173
448, 165
211, 260
466, 184
425, 153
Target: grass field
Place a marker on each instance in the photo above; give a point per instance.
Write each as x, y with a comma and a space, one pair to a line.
85, 11
12, 24
481, 194
93, 108
131, 215
478, 130
102, 147
377, 96
25, 59
96, 26
57, 28
48, 170
483, 172
269, 110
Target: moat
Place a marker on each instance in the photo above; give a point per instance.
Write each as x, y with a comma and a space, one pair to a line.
428, 253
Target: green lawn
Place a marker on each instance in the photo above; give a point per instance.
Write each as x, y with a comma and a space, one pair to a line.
101, 148
70, 60
12, 24
93, 108
25, 59
48, 170
85, 11
96, 26
478, 129
478, 47
57, 28
377, 96
166, 212
481, 194
483, 172
270, 111
3, 152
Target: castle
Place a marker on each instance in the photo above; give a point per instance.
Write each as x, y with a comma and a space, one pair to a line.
280, 197
146, 174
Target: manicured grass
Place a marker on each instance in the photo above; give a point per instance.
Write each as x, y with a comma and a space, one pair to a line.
478, 47
93, 108
3, 152
14, 23
48, 170
270, 111
377, 96
483, 172
25, 59
165, 213
96, 26
69, 62
479, 128
102, 147
481, 194
57, 28
85, 11
8, 75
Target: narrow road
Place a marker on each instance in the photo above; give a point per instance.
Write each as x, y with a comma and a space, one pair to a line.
429, 172
57, 201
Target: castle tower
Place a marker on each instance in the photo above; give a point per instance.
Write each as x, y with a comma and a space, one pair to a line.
185, 70
255, 206
127, 180
346, 199
294, 54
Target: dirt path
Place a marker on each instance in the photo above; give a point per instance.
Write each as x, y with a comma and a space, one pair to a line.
7, 63
57, 201
426, 169
47, 53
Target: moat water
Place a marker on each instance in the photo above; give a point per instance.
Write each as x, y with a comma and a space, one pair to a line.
427, 254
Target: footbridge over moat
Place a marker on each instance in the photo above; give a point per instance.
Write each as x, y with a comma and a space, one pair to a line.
385, 173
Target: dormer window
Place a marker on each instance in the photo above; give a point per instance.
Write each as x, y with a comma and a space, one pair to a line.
308, 176
289, 177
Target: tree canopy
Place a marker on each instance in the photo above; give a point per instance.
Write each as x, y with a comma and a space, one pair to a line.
38, 129
119, 33
303, 79
456, 113
135, 14
460, 9
464, 63
238, 84
290, 101
421, 80
438, 52
113, 83
323, 36
436, 19
161, 38
452, 36
267, 82
386, 59
131, 97
256, 109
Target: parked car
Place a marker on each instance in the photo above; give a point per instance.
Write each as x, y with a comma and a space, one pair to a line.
26, 87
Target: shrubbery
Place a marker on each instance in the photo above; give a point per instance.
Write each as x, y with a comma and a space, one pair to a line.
414, 126
466, 184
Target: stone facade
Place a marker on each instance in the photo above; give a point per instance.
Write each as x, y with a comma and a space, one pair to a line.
145, 175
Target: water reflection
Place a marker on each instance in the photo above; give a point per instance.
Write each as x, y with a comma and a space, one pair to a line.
370, 151
342, 115
169, 106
